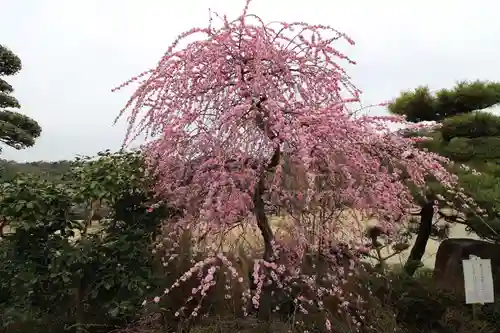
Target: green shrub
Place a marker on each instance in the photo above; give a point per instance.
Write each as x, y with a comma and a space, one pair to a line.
50, 279
471, 125
421, 307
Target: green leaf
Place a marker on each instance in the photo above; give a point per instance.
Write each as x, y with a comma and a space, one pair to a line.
114, 312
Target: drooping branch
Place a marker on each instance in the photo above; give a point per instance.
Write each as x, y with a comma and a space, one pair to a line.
452, 218
255, 92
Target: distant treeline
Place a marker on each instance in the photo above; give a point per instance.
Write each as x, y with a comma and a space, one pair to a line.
49, 170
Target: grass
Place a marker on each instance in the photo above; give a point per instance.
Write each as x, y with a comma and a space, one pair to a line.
248, 236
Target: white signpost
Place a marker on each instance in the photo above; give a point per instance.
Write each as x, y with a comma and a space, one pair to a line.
478, 281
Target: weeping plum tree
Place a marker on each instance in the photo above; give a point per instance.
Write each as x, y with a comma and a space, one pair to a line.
253, 114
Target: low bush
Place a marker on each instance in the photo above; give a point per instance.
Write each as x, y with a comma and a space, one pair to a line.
420, 307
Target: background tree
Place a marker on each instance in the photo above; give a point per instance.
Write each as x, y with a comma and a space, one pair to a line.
471, 139
421, 104
48, 170
16, 130
58, 270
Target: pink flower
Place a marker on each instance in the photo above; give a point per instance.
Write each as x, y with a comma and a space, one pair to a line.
250, 113
328, 325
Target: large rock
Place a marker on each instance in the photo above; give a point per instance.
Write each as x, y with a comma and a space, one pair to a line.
448, 270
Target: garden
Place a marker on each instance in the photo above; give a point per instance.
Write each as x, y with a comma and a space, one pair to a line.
247, 209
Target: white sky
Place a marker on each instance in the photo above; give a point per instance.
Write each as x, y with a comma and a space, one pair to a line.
74, 52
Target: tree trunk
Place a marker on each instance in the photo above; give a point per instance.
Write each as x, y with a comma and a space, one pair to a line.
262, 220
266, 298
259, 207
424, 232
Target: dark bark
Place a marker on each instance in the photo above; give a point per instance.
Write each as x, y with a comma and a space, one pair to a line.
264, 312
424, 233
259, 207
260, 188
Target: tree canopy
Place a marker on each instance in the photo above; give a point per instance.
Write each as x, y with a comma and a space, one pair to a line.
60, 268
421, 104
232, 110
16, 130
470, 138
47, 170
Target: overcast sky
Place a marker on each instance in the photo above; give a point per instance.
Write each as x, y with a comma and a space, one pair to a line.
75, 51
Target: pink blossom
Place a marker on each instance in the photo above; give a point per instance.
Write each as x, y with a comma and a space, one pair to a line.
328, 325
253, 110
